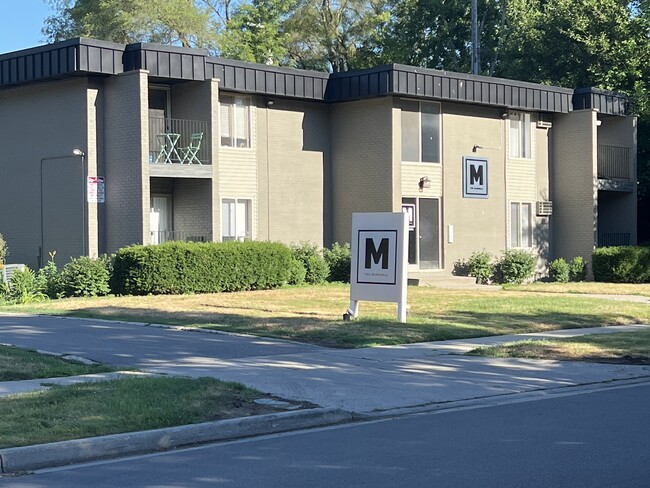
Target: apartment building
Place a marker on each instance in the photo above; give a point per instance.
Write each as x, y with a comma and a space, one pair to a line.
106, 145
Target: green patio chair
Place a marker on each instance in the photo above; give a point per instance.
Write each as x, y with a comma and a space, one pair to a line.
190, 153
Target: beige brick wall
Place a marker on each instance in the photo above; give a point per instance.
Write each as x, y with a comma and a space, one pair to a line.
293, 164
574, 192
42, 122
479, 224
364, 176
126, 125
192, 207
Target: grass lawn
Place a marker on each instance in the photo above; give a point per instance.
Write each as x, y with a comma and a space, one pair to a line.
623, 347
21, 364
314, 313
642, 289
117, 406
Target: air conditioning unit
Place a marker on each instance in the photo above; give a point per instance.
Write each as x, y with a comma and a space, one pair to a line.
8, 271
544, 208
544, 124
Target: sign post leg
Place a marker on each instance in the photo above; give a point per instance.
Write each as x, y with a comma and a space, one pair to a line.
354, 308
401, 311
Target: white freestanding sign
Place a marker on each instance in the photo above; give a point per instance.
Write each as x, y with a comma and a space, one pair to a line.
379, 260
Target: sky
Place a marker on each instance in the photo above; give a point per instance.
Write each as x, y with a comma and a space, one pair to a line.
21, 22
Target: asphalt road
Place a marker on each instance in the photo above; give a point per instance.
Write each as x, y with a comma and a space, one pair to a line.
133, 345
597, 439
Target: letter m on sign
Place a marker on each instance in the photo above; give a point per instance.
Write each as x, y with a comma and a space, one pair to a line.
376, 254
476, 175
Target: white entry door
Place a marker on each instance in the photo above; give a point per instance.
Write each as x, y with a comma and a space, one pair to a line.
160, 218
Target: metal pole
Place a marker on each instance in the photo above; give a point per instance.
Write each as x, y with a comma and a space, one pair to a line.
476, 64
79, 152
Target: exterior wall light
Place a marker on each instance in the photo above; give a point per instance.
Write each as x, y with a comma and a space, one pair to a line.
424, 182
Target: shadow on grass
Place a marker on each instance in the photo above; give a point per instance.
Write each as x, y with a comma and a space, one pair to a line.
368, 331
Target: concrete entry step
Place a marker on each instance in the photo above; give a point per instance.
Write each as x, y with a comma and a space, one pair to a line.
444, 280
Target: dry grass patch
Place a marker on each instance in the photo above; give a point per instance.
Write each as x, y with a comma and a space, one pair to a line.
621, 347
640, 289
314, 314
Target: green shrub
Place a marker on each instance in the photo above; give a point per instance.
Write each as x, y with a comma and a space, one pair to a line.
577, 269
338, 260
195, 267
312, 259
297, 272
461, 268
558, 271
84, 277
479, 265
50, 278
24, 287
621, 264
515, 266
3, 249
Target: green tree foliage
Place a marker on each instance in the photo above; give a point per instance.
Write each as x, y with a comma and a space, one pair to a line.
182, 22
437, 33
328, 34
255, 32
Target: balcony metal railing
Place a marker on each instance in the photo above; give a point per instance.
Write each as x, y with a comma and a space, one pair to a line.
613, 162
177, 141
613, 239
160, 236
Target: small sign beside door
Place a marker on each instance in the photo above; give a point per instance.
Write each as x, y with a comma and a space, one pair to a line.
409, 209
96, 190
475, 177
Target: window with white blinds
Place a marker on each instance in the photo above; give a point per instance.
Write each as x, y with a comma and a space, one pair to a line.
521, 228
236, 219
520, 135
235, 121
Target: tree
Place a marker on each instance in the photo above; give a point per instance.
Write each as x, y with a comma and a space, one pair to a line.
182, 22
255, 32
437, 34
327, 34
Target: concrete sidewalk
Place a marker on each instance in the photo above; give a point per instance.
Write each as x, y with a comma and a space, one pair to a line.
387, 378
349, 384
384, 379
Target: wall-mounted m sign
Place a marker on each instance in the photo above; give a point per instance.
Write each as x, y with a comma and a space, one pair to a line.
475, 177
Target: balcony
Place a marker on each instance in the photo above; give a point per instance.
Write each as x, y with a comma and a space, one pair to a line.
160, 236
614, 169
614, 162
613, 239
179, 141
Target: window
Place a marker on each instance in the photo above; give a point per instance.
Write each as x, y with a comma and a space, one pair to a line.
235, 121
420, 131
236, 219
519, 135
521, 229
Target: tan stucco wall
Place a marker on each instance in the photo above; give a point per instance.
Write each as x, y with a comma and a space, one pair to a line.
364, 176
43, 122
574, 191
126, 122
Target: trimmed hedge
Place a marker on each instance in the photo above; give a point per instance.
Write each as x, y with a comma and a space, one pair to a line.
194, 267
621, 264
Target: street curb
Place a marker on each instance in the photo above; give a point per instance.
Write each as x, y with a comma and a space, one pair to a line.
28, 458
